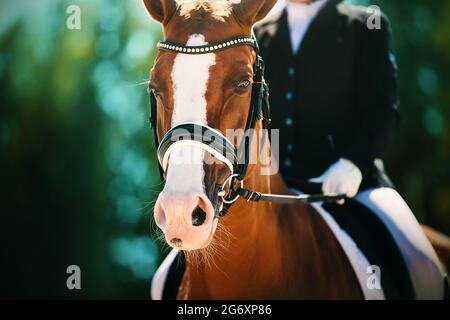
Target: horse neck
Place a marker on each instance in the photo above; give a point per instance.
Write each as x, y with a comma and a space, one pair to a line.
245, 238
268, 249
245, 217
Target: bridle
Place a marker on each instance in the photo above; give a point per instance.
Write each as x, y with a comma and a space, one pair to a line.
216, 144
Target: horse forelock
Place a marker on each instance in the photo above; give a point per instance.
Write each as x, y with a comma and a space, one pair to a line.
218, 9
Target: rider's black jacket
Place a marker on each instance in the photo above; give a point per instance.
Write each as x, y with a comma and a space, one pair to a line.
337, 98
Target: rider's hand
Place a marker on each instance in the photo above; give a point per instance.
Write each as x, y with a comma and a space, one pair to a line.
343, 177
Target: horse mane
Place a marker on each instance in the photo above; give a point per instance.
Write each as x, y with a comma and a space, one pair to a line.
217, 8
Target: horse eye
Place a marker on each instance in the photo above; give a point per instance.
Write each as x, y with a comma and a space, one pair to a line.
244, 84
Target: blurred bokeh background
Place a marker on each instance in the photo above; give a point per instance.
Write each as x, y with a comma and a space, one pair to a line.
78, 172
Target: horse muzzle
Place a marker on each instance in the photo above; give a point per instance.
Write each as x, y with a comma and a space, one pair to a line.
186, 219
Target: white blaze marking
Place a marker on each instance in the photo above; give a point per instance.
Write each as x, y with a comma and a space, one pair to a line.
190, 76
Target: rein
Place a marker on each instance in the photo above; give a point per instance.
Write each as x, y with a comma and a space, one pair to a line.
216, 144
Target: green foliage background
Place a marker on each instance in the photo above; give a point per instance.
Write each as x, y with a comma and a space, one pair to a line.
78, 173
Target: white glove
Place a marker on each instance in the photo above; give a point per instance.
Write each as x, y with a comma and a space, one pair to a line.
343, 177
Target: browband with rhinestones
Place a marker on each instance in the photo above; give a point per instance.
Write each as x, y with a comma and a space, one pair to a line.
167, 45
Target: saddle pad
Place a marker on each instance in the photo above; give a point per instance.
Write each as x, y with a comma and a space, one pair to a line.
357, 259
168, 277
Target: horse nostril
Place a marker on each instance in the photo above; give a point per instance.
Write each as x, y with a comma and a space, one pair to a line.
177, 242
198, 217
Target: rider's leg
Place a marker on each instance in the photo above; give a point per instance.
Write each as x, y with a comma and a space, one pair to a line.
422, 262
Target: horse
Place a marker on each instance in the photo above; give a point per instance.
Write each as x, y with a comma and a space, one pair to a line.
206, 75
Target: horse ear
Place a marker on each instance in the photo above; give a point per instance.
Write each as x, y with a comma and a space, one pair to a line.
160, 10
251, 11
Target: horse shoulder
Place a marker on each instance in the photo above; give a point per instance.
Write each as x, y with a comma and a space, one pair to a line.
316, 255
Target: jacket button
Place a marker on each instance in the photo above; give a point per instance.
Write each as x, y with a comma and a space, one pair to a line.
291, 71
289, 96
287, 163
290, 147
289, 121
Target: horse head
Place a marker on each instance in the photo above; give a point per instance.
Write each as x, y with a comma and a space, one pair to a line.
212, 89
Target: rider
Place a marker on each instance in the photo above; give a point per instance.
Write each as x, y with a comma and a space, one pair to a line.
333, 91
